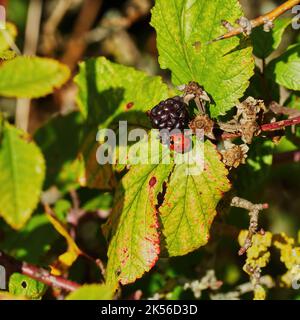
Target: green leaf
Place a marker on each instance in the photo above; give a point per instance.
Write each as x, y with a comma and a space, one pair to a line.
92, 292
109, 92
285, 70
264, 43
21, 285
254, 174
61, 147
36, 77
22, 170
133, 225
184, 29
33, 242
190, 203
100, 202
262, 88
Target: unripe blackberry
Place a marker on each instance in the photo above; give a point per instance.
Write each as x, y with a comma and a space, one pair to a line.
180, 143
170, 114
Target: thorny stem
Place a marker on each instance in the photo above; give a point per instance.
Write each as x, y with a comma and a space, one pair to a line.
280, 124
254, 210
266, 127
261, 20
12, 265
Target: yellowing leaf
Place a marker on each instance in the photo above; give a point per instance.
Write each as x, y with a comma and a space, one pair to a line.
133, 225
190, 203
8, 296
22, 170
92, 292
258, 254
31, 77
290, 256
68, 258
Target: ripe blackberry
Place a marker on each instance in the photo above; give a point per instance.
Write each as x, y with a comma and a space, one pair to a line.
170, 114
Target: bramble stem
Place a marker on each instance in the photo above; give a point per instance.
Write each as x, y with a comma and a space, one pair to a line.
280, 124
270, 16
12, 265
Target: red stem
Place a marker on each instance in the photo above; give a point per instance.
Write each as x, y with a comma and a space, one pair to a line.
12, 265
266, 127
280, 124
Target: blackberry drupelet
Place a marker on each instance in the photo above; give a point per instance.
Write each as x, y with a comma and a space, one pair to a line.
170, 114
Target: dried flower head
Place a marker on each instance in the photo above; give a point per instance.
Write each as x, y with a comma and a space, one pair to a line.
234, 155
203, 122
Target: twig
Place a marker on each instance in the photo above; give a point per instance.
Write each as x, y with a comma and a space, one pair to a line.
243, 288
278, 109
30, 47
266, 18
254, 210
76, 45
280, 124
135, 10
51, 25
266, 127
12, 265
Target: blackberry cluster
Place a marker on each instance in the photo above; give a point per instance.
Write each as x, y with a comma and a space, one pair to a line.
170, 114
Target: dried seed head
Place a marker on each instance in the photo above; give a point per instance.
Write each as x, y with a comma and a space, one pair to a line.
194, 90
203, 122
235, 155
249, 109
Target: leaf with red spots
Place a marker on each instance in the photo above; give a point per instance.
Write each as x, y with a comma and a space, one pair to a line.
190, 203
133, 225
109, 93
